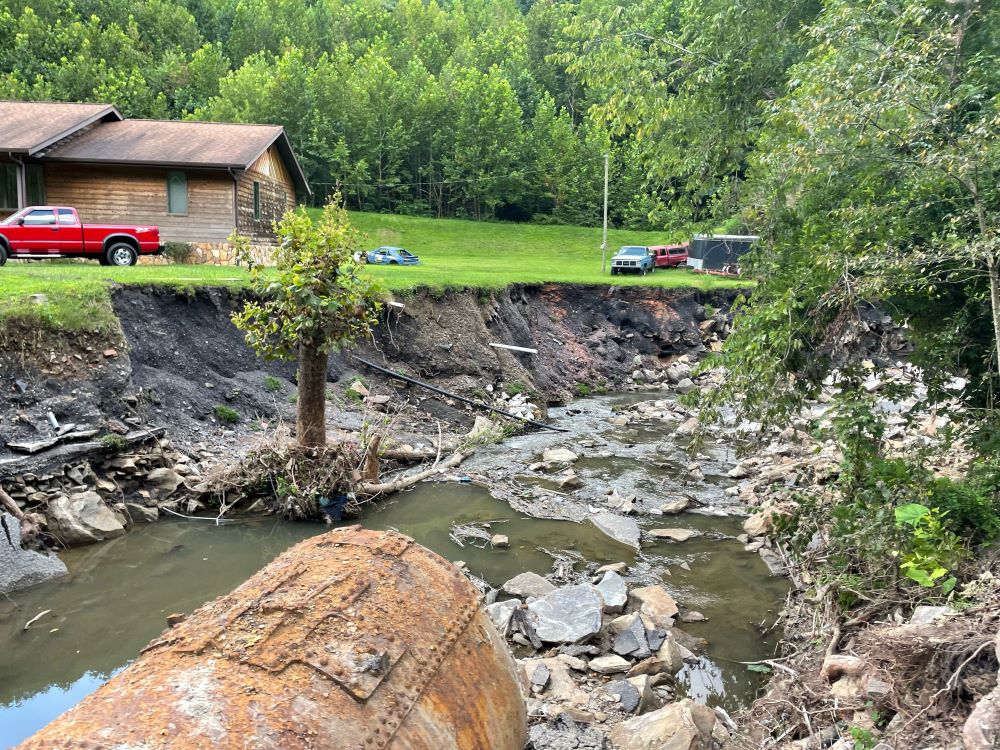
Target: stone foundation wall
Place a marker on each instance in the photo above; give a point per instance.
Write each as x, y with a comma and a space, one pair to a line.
212, 254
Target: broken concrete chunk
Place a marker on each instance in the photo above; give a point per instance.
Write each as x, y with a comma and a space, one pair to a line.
614, 591
528, 585
567, 615
619, 528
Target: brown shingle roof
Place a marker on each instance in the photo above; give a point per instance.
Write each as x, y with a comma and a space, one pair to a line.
27, 127
179, 143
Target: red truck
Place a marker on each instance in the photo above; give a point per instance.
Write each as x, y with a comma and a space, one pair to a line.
669, 256
56, 232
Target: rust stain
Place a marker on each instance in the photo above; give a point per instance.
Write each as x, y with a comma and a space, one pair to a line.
353, 639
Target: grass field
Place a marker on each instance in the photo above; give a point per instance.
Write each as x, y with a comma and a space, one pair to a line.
455, 254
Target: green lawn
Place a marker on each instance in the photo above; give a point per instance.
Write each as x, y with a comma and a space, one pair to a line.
455, 254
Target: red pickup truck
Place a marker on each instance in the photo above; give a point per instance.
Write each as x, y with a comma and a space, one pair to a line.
57, 232
669, 256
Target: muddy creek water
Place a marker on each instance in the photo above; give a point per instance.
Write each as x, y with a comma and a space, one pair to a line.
118, 593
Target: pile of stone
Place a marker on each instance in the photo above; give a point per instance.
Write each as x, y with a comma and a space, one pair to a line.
600, 657
93, 499
517, 404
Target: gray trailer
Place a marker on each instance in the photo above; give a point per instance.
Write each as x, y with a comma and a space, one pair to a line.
719, 252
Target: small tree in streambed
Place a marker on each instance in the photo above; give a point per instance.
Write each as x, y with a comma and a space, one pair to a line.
315, 301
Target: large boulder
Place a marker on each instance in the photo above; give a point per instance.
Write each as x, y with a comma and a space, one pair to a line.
619, 528
82, 518
567, 615
162, 483
20, 568
684, 725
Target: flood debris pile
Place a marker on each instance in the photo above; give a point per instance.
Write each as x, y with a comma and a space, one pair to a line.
598, 662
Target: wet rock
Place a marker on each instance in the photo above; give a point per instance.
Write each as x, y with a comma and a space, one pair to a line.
613, 591
738, 472
619, 528
20, 568
656, 604
674, 507
773, 561
685, 385
619, 421
139, 513
499, 541
684, 725
611, 664
674, 535
82, 518
559, 455
569, 481
501, 612
567, 615
693, 616
625, 693
528, 585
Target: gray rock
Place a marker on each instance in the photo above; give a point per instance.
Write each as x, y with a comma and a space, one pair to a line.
655, 638
20, 568
501, 612
567, 615
610, 664
673, 507
685, 385
499, 541
614, 591
619, 528
656, 604
632, 641
618, 567
565, 735
625, 693
82, 519
142, 514
528, 584
540, 678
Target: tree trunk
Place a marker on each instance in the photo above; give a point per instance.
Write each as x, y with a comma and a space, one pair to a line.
994, 270
310, 428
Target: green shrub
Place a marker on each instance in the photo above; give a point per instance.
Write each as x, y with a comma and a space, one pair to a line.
178, 252
225, 414
931, 550
969, 505
272, 384
512, 389
113, 443
582, 390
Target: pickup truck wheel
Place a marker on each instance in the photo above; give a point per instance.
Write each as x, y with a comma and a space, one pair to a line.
121, 254
3, 255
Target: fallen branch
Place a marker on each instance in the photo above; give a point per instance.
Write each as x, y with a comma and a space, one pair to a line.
381, 488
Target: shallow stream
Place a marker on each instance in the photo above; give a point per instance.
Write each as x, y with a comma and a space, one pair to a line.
119, 593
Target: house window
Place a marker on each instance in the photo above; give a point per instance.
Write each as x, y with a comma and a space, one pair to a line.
177, 192
35, 176
8, 187
256, 201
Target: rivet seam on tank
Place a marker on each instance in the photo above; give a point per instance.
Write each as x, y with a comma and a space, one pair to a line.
428, 661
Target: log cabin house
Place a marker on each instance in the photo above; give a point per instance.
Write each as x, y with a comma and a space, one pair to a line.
198, 181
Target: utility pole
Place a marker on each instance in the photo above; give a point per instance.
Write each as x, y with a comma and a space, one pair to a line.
604, 241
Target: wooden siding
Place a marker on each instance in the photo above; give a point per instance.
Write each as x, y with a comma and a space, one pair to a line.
138, 195
277, 195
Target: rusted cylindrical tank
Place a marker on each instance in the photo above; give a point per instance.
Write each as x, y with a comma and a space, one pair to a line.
353, 639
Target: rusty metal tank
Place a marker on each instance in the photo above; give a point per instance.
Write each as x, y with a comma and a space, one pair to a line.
354, 639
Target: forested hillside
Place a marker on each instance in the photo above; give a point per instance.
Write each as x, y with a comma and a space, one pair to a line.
474, 108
